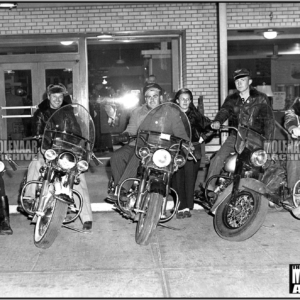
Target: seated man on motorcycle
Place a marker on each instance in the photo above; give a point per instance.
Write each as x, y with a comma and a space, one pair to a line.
45, 110
292, 125
124, 162
236, 107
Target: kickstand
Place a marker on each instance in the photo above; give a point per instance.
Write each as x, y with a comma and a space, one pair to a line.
76, 229
170, 227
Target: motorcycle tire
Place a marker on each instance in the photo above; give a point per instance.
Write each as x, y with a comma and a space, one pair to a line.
240, 218
147, 222
48, 227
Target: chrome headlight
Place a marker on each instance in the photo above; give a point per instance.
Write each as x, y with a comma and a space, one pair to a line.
2, 166
179, 160
161, 158
144, 152
66, 161
259, 158
82, 165
50, 154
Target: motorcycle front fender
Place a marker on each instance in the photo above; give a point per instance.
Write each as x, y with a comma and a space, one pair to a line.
158, 186
251, 183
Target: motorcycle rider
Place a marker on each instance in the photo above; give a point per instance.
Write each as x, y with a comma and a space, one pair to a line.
124, 162
292, 125
45, 110
236, 108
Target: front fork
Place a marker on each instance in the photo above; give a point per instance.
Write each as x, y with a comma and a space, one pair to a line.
156, 186
61, 185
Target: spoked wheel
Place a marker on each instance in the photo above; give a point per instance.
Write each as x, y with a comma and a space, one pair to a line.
149, 218
296, 194
49, 225
238, 218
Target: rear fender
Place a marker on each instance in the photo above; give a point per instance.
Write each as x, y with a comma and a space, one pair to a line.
251, 183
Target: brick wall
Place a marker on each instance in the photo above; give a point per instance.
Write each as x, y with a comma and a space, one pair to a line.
201, 66
198, 19
256, 15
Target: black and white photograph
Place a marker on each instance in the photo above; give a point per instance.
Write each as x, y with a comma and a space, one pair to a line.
150, 149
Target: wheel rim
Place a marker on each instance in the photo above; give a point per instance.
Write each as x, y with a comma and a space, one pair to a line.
239, 210
44, 221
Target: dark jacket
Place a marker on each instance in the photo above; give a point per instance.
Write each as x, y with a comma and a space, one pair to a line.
199, 123
291, 118
44, 112
255, 112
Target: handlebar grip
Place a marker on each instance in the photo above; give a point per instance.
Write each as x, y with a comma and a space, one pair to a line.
124, 138
13, 165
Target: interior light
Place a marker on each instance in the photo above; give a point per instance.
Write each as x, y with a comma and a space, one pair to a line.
67, 43
8, 5
270, 34
104, 36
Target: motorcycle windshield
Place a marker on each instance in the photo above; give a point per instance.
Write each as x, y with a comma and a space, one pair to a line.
256, 125
165, 127
70, 128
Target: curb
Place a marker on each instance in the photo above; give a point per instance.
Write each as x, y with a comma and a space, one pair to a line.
96, 207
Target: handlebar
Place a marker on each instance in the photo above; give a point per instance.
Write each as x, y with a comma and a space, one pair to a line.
35, 137
12, 163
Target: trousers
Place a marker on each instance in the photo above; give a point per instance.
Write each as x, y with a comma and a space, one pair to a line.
124, 164
33, 174
183, 182
217, 162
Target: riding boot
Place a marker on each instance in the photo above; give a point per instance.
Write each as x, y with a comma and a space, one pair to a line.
4, 216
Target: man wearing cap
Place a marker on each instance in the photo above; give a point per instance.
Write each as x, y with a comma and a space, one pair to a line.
124, 162
234, 106
45, 110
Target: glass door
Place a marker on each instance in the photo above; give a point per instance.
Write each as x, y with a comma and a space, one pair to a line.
23, 87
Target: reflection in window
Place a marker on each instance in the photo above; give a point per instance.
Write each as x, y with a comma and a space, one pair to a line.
36, 47
18, 92
117, 74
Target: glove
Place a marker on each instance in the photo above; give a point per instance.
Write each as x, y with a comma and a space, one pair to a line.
215, 125
296, 132
124, 137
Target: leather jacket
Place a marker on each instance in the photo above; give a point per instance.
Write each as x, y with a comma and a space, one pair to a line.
199, 123
44, 112
255, 112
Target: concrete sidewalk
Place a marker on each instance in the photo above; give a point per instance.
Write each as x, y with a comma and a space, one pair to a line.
192, 261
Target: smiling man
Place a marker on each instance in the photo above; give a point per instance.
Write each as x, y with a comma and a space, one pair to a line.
45, 110
124, 162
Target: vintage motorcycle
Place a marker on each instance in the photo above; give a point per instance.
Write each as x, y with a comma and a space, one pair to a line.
161, 152
67, 145
250, 178
5, 228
